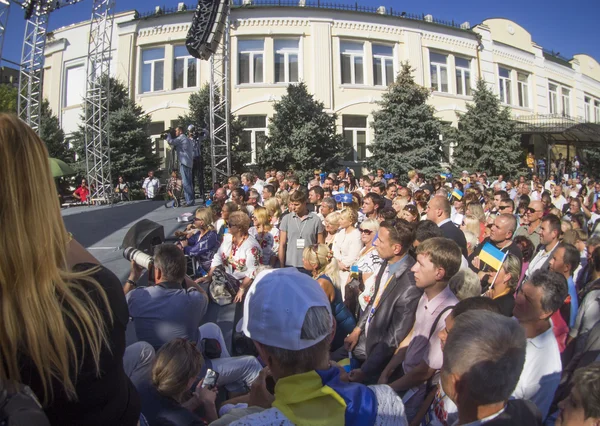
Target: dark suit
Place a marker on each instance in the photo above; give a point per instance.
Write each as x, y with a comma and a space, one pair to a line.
392, 321
450, 231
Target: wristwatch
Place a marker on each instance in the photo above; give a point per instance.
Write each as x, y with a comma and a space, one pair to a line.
133, 283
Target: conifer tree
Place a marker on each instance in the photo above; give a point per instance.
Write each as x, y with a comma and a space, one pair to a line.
302, 135
407, 133
486, 139
52, 134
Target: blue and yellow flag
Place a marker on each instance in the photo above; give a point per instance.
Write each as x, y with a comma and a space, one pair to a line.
457, 193
319, 397
492, 256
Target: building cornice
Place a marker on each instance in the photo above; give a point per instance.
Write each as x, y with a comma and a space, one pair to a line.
514, 55
272, 22
557, 69
368, 27
449, 40
54, 46
164, 29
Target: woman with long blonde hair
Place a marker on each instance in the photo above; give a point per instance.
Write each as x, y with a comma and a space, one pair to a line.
266, 235
319, 261
63, 316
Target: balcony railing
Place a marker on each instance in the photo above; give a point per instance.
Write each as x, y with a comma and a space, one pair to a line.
318, 4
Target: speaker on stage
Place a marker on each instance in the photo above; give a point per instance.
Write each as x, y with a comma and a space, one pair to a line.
144, 235
207, 28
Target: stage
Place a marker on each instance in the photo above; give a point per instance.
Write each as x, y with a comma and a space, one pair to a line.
101, 229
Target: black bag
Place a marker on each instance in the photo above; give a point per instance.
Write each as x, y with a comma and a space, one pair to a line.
223, 287
353, 289
20, 407
211, 348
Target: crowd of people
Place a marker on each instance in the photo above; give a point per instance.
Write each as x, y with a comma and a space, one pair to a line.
378, 300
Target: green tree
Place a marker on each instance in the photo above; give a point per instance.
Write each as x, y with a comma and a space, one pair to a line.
8, 98
52, 134
486, 139
406, 131
302, 136
199, 116
131, 149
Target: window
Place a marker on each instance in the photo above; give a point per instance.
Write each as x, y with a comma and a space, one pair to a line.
504, 82
153, 67
355, 133
185, 69
553, 98
254, 133
74, 86
463, 76
597, 111
566, 101
251, 61
352, 57
587, 108
286, 61
523, 89
439, 72
383, 65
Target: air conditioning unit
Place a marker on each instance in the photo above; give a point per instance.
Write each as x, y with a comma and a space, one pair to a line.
247, 2
465, 25
181, 7
157, 10
381, 10
428, 18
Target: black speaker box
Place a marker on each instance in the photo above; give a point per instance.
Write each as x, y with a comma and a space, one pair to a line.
207, 28
144, 235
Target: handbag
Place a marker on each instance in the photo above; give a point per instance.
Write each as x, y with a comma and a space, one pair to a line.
223, 287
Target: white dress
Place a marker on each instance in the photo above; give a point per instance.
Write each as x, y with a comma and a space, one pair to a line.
242, 261
346, 247
268, 242
368, 262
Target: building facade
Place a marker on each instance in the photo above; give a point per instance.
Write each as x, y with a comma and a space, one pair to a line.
346, 58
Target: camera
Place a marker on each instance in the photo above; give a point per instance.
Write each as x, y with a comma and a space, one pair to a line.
141, 259
169, 131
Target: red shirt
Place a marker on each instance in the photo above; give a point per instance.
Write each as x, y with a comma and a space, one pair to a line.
83, 193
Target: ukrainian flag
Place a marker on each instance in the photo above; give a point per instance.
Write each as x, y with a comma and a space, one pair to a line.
320, 398
492, 256
457, 193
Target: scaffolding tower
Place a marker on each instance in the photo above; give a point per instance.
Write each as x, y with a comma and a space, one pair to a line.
97, 141
4, 10
220, 135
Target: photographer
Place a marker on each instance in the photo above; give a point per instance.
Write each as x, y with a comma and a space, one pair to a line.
197, 169
185, 152
166, 310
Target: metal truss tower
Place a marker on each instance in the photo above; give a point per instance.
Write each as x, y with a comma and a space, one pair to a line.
220, 136
97, 142
32, 66
4, 9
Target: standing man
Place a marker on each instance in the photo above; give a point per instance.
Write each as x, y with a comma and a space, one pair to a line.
542, 294
298, 229
185, 153
372, 204
533, 230
198, 166
83, 192
557, 197
151, 186
550, 235
565, 260
389, 316
315, 198
439, 211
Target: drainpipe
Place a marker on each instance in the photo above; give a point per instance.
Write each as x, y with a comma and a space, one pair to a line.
477, 50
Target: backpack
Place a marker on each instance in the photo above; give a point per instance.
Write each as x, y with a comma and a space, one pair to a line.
223, 286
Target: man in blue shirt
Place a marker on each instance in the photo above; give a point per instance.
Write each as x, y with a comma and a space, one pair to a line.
564, 261
185, 153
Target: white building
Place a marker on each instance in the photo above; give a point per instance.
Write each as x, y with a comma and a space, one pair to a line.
346, 58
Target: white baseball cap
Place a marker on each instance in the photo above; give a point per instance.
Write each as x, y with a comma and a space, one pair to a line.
276, 305
191, 127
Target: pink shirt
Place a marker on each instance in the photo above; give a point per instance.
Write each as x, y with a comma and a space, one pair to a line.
420, 346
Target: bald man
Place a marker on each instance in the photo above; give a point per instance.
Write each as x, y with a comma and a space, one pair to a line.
439, 211
501, 237
533, 228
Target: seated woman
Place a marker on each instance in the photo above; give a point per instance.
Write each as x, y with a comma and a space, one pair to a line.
221, 224
503, 291
319, 260
239, 253
167, 398
266, 235
203, 244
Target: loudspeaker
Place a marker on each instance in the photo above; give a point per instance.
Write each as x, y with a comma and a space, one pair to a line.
207, 28
144, 235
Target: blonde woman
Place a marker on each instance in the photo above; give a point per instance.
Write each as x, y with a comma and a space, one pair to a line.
63, 314
167, 397
368, 261
203, 244
332, 225
318, 260
266, 235
398, 204
472, 224
274, 210
346, 244
284, 198
506, 284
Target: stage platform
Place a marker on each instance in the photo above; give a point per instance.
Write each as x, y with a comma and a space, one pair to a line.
101, 230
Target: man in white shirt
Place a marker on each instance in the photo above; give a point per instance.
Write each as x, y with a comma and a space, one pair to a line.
557, 198
537, 299
499, 181
151, 186
549, 239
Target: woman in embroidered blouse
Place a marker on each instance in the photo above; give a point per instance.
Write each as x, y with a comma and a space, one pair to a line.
274, 210
346, 244
266, 235
368, 261
203, 244
239, 253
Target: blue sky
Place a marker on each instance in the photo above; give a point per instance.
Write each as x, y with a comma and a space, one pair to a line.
565, 27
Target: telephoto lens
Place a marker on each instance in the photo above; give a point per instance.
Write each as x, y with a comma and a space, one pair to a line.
139, 257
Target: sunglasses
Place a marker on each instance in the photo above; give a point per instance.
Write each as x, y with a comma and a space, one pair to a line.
532, 210
502, 207
365, 231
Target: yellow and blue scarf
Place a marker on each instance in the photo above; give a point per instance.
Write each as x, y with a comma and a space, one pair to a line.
319, 397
